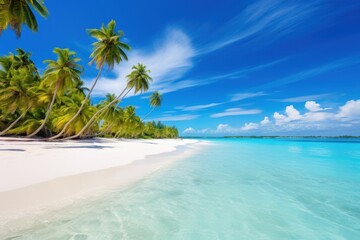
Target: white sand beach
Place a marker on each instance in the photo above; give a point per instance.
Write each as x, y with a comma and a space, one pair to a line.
36, 176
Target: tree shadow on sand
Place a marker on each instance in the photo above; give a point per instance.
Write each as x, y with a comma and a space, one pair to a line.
13, 150
90, 147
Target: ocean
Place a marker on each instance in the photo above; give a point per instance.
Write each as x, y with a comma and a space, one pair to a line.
283, 188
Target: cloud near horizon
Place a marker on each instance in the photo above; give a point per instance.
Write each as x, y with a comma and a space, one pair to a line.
236, 112
182, 117
316, 118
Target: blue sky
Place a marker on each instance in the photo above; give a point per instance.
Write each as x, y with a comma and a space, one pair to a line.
260, 67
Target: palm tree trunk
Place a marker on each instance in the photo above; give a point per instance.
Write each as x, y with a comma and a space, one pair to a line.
94, 121
104, 108
94, 117
81, 107
15, 122
148, 114
108, 128
48, 111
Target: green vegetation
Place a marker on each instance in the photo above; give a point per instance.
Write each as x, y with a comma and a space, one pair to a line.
15, 13
55, 104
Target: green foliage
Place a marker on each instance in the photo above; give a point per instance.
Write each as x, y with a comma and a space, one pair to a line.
67, 109
15, 13
139, 78
24, 92
108, 49
155, 99
63, 72
33, 104
60, 75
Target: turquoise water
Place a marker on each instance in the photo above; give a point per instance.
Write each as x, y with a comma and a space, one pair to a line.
235, 189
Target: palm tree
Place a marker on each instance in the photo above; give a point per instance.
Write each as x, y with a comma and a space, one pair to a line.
114, 121
155, 101
30, 124
107, 50
129, 119
138, 80
18, 12
19, 76
68, 108
79, 89
22, 60
5, 71
60, 75
110, 113
18, 96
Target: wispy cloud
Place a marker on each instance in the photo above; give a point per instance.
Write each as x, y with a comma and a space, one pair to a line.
236, 112
250, 126
310, 73
197, 107
304, 98
262, 18
233, 98
242, 96
169, 60
173, 118
236, 74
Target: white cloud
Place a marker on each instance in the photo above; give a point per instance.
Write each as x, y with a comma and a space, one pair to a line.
343, 119
312, 106
206, 130
236, 112
197, 107
242, 96
318, 117
310, 73
260, 19
189, 130
184, 117
292, 113
265, 121
169, 61
279, 118
250, 126
350, 110
222, 127
304, 98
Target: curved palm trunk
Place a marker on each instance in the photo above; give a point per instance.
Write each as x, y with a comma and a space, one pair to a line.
48, 111
81, 107
148, 113
92, 124
15, 122
103, 112
94, 117
107, 129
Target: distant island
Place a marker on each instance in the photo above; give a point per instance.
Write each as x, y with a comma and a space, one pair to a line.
334, 137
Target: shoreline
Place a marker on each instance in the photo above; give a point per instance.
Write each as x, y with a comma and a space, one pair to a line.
20, 206
27, 163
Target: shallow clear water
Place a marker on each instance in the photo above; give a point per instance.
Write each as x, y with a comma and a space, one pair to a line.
235, 189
